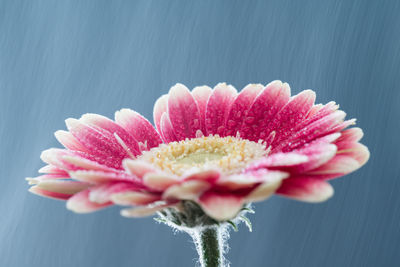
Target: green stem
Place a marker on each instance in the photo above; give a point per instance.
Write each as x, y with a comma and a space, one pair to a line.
209, 245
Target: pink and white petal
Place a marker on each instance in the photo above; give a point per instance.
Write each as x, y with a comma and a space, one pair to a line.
160, 181
167, 131
220, 206
138, 168
317, 154
46, 177
314, 110
201, 94
319, 111
40, 192
160, 107
263, 191
209, 175
102, 193
103, 123
251, 178
80, 203
134, 198
306, 189
97, 177
62, 186
272, 99
239, 108
69, 141
50, 169
143, 211
86, 164
343, 125
183, 112
54, 157
338, 166
356, 151
100, 143
279, 160
291, 115
139, 127
187, 190
306, 133
350, 135
218, 106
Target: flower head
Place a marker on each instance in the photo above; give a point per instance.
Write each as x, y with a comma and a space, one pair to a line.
212, 152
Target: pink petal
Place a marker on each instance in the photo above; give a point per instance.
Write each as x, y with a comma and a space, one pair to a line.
201, 95
46, 177
159, 181
350, 135
183, 112
38, 191
160, 107
86, 164
52, 170
319, 111
264, 108
69, 160
211, 176
306, 189
138, 168
167, 131
113, 128
357, 151
54, 157
317, 154
218, 107
80, 203
103, 177
139, 127
338, 166
134, 198
102, 193
67, 187
279, 160
239, 108
69, 141
221, 206
187, 190
250, 179
102, 144
315, 109
270, 183
312, 131
292, 114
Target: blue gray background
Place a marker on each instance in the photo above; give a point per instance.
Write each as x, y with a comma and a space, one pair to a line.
60, 59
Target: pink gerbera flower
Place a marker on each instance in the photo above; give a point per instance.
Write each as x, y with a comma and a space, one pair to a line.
213, 152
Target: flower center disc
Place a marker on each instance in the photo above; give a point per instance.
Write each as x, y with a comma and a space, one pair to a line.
230, 154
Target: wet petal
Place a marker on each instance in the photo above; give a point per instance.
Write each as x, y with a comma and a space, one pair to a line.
134, 198
183, 112
80, 203
272, 99
160, 107
306, 189
221, 206
239, 108
218, 107
139, 127
201, 95
167, 131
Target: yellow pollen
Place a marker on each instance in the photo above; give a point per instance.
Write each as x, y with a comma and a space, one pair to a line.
229, 154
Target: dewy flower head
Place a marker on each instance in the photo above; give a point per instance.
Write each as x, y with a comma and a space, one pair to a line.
213, 151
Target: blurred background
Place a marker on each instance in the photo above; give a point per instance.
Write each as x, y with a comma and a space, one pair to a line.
60, 59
